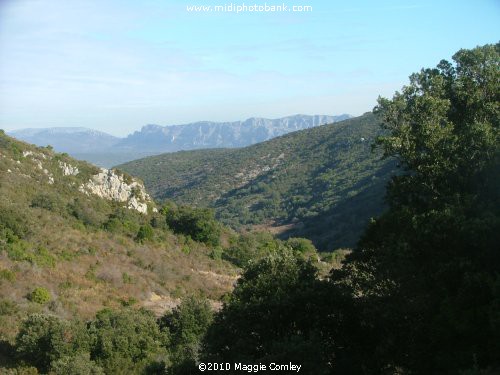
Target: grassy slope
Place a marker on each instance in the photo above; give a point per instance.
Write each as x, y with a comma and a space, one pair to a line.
84, 267
322, 183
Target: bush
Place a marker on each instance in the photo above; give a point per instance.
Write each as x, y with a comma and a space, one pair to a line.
302, 246
8, 307
187, 324
199, 224
125, 339
273, 314
43, 339
8, 275
79, 364
46, 201
252, 247
88, 212
40, 295
145, 233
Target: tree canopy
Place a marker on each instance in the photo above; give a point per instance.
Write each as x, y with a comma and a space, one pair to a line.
427, 270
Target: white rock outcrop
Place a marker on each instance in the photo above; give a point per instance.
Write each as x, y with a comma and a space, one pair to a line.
109, 185
68, 169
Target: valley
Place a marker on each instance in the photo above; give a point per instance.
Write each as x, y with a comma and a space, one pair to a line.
323, 183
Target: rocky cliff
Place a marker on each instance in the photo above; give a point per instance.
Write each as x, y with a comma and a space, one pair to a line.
108, 184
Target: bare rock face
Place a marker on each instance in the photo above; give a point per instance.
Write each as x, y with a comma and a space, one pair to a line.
109, 185
68, 169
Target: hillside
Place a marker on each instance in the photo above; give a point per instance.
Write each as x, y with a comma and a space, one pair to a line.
322, 183
75, 239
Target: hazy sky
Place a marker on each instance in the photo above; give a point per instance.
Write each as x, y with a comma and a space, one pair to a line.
118, 65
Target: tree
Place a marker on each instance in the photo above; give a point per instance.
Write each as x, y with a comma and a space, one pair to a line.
127, 338
145, 233
272, 316
426, 272
79, 364
187, 325
199, 223
45, 338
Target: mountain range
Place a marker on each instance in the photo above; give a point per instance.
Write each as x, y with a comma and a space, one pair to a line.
106, 150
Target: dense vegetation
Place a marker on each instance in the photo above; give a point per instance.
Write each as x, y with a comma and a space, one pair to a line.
323, 183
419, 295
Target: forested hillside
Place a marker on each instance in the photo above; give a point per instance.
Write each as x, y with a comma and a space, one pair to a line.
323, 183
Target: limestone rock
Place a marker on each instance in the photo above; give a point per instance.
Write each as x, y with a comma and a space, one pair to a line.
68, 169
109, 185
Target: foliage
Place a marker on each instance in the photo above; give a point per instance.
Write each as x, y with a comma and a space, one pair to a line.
78, 364
145, 233
44, 338
199, 224
8, 307
125, 339
271, 316
427, 270
47, 201
187, 325
40, 295
87, 211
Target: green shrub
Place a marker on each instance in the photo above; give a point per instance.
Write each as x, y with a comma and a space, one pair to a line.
8, 275
18, 251
187, 324
8, 307
43, 339
44, 258
40, 295
216, 253
127, 279
79, 364
46, 201
124, 221
301, 245
145, 233
126, 339
13, 222
90, 213
199, 224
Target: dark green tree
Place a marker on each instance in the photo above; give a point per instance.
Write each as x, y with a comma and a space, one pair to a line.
45, 338
145, 233
126, 339
78, 364
187, 325
425, 274
199, 224
272, 315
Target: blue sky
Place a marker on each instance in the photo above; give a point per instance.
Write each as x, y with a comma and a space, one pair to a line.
117, 65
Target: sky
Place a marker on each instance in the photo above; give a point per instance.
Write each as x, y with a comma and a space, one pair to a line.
116, 65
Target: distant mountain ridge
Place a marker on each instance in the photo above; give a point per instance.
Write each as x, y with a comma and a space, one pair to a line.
72, 140
208, 134
106, 150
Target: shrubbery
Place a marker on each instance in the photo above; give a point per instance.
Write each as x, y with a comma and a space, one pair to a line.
40, 295
199, 224
123, 341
